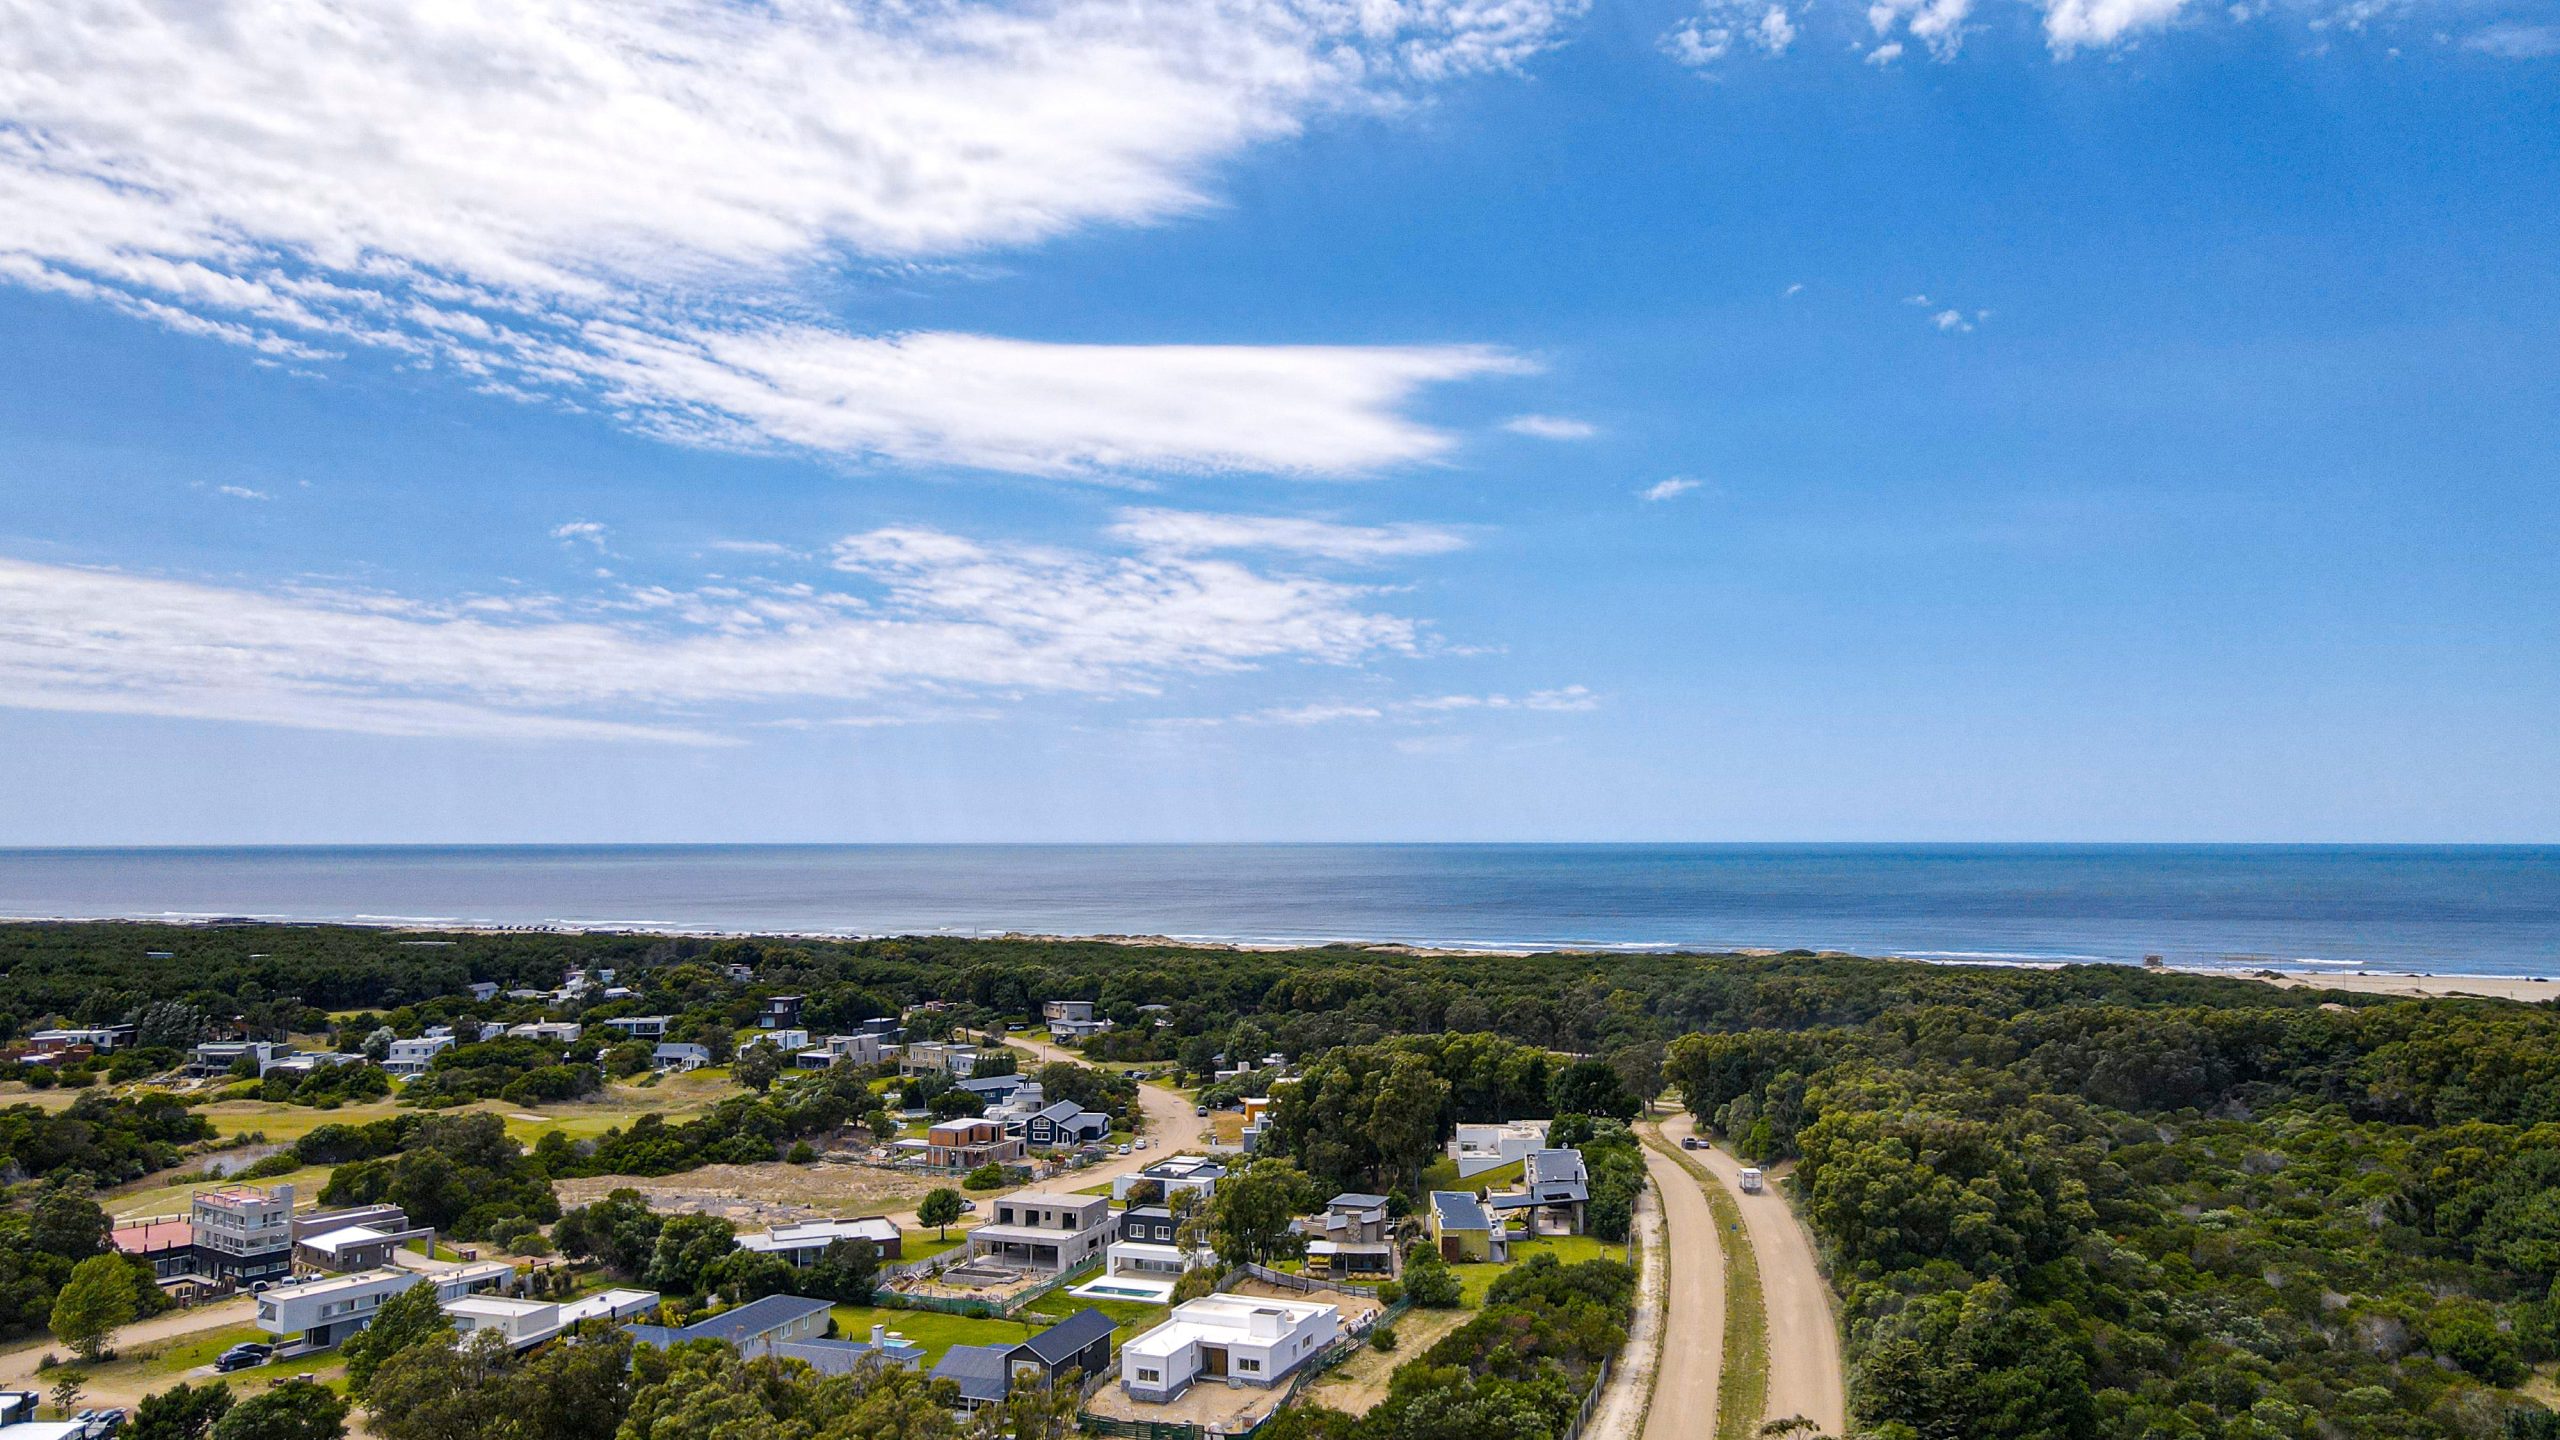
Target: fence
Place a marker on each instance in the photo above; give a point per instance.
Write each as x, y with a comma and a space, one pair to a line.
971, 1305
1306, 1284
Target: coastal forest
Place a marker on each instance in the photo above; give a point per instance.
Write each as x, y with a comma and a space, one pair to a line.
2094, 1201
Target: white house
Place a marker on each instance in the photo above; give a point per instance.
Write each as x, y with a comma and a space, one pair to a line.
790, 1038
412, 1057
1478, 1148
679, 1056
1240, 1339
1176, 1174
1145, 1257
803, 1244
527, 1323
326, 1311
638, 1027
558, 1032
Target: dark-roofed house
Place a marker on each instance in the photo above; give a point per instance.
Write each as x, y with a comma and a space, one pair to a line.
983, 1372
755, 1327
1354, 1236
1462, 1229
1554, 1188
1080, 1344
1065, 1123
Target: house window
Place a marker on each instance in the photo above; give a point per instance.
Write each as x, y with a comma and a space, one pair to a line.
1150, 1377
1254, 1365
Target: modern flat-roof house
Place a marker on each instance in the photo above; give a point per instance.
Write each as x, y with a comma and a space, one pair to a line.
1354, 1236
968, 1144
242, 1233
362, 1238
327, 1310
99, 1038
1462, 1229
677, 1056
558, 1032
791, 1039
1065, 1123
803, 1244
637, 1027
755, 1327
167, 1246
1146, 1254
1554, 1189
1240, 1339
413, 1056
303, 1062
216, 1057
483, 991
1257, 1121
527, 1323
779, 1012
1478, 1148
1175, 1173
932, 1057
860, 1049
1044, 1230
1072, 1019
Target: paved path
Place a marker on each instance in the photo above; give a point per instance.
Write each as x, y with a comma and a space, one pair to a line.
1805, 1374
1684, 1388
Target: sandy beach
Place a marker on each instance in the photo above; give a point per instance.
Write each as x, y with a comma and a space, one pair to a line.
2502, 987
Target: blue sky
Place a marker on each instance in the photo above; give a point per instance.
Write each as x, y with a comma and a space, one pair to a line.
1238, 419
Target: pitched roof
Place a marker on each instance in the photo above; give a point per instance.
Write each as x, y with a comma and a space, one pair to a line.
843, 1357
1458, 1210
983, 1372
756, 1317
1356, 1200
1069, 1337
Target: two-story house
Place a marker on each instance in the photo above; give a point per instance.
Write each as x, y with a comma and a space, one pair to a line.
1040, 1230
1554, 1189
969, 1143
1354, 1236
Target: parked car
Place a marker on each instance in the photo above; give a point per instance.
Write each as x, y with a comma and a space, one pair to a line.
245, 1356
107, 1423
1142, 1144
1688, 1142
968, 1207
1201, 1110
1123, 1150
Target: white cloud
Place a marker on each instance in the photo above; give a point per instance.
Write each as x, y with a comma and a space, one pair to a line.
1794, 290
1711, 34
2514, 40
577, 199
580, 531
1550, 427
927, 615
242, 492
1190, 532
1938, 24
1036, 408
1667, 489
2071, 25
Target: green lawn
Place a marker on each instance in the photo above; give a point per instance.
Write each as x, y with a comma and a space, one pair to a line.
932, 1329
1128, 1317
167, 1199
924, 1244
1442, 1174
1475, 1280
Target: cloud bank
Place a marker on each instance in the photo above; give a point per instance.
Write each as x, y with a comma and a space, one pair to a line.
920, 616
621, 203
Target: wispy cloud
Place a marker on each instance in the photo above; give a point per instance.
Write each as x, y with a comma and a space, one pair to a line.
1550, 427
1184, 532
923, 614
1948, 319
1710, 35
617, 205
1672, 488
2515, 40
242, 492
576, 532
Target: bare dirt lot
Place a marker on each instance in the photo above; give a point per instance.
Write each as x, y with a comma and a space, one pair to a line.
762, 1194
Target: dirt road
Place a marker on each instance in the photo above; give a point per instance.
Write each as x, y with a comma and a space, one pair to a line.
119, 1385
1684, 1388
1805, 1373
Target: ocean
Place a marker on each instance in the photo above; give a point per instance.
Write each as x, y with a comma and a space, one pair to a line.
2481, 910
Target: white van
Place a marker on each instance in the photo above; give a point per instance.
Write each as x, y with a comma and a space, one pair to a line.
1750, 1182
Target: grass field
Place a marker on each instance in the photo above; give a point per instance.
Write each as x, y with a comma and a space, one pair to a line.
1442, 1174
1475, 1280
932, 1329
